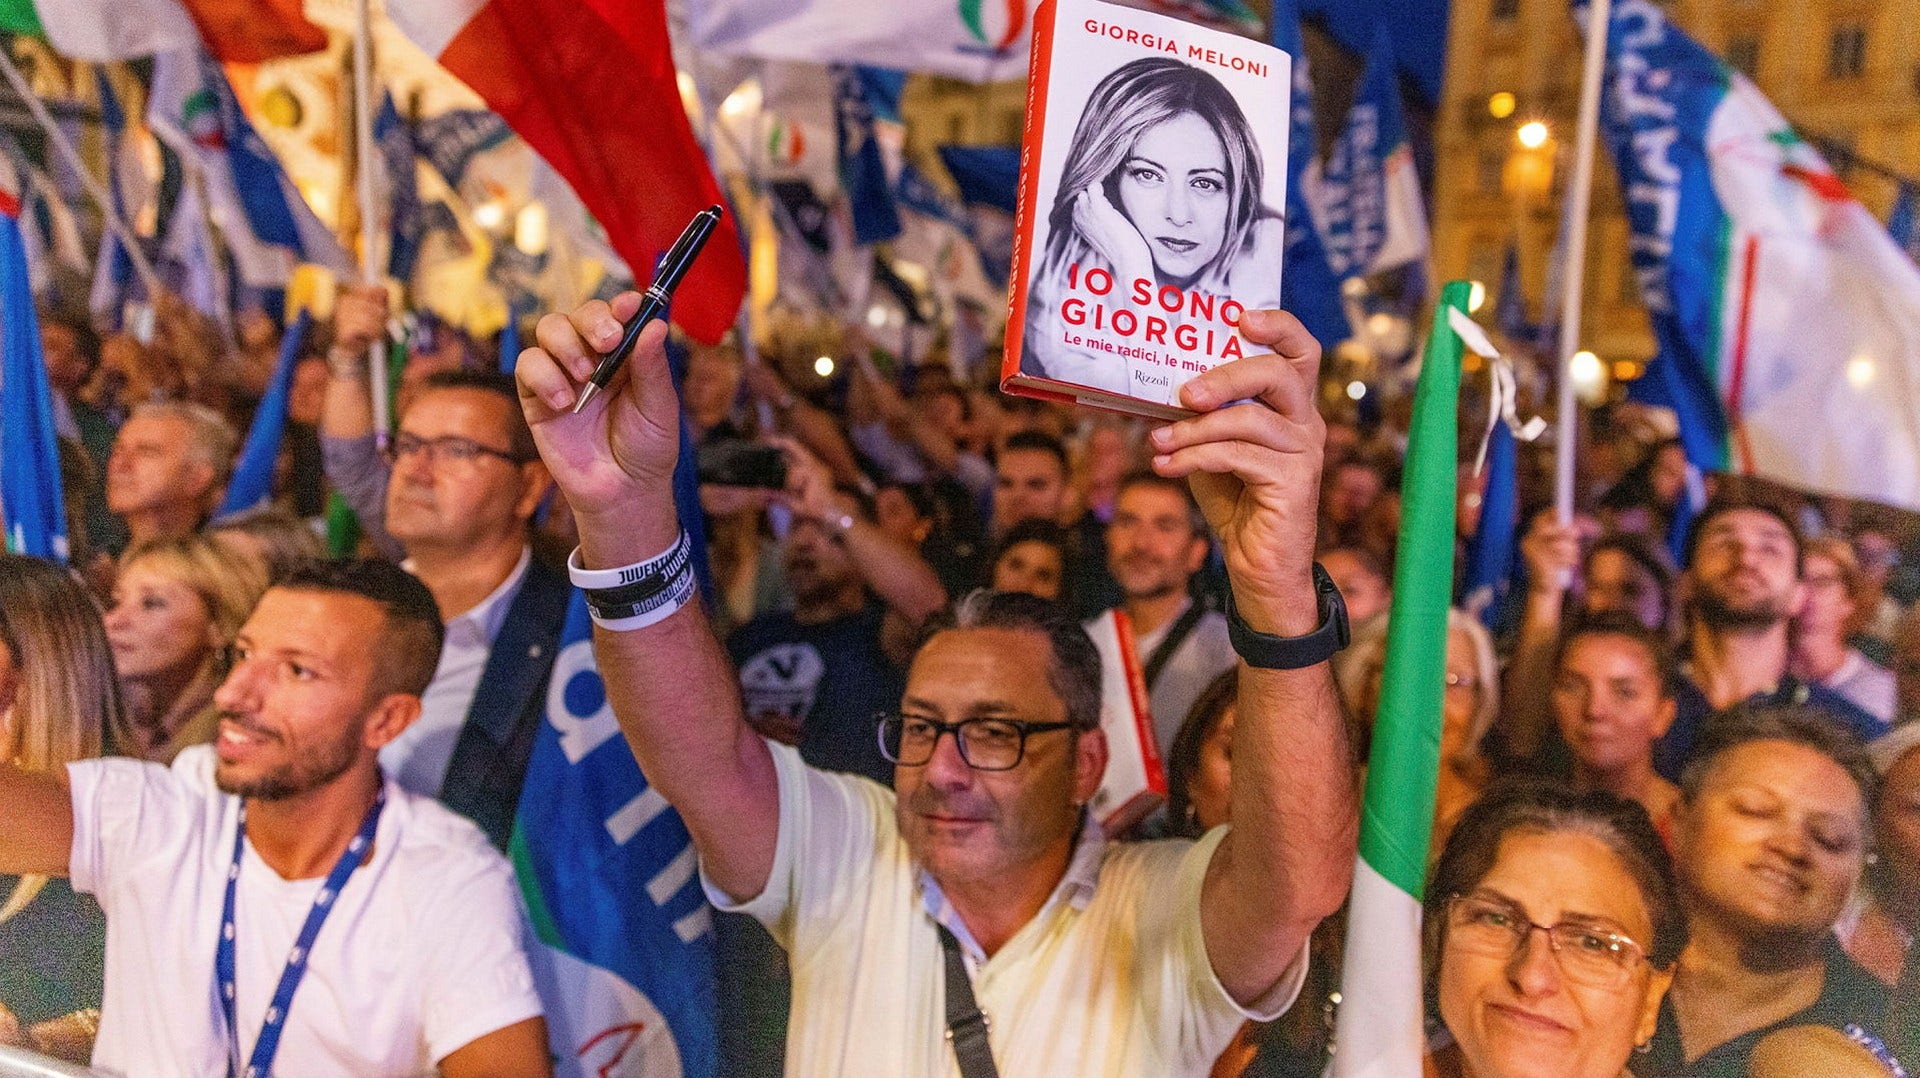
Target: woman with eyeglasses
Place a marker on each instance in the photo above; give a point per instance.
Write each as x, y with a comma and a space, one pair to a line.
1553, 923
1770, 838
1467, 710
177, 604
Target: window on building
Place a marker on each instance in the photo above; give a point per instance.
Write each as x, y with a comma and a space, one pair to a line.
1847, 51
1506, 9
1743, 53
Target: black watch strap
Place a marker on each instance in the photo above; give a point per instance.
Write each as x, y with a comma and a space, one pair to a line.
1271, 652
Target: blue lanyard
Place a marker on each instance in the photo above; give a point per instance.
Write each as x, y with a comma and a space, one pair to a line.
268, 1043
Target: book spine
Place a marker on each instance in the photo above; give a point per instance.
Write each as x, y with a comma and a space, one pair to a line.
1039, 67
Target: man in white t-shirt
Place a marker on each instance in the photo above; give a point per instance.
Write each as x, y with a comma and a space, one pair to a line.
981, 869
352, 928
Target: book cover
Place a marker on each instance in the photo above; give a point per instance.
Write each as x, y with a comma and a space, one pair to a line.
1152, 185
1135, 782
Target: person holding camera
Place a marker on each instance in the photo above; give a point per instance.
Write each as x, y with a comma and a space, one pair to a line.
973, 913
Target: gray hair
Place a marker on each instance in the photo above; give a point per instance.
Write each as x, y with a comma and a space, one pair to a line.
1073, 668
209, 434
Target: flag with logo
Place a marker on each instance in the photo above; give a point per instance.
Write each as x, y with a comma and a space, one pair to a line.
1788, 320
31, 505
1365, 198
987, 177
1380, 1029
235, 31
1900, 223
591, 86
267, 224
972, 40
252, 482
1309, 289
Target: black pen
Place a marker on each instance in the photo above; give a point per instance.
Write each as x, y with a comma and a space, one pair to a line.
658, 295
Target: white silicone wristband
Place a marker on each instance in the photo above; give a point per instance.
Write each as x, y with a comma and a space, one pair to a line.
595, 579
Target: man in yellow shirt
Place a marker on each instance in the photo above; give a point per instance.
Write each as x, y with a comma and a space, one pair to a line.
980, 874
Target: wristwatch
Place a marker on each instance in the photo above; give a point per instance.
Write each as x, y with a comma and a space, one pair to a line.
1270, 652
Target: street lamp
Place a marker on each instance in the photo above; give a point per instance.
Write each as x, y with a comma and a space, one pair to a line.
1533, 134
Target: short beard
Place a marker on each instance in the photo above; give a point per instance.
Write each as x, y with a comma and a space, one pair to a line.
1716, 613
303, 776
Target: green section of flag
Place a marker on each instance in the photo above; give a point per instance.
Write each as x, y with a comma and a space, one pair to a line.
343, 528
1396, 818
21, 17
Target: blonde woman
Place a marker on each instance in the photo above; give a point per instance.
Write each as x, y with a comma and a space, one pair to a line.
176, 606
57, 700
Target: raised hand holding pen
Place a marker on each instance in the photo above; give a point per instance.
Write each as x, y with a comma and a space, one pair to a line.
658, 296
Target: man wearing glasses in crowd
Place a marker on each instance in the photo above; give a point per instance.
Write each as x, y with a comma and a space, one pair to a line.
463, 486
974, 912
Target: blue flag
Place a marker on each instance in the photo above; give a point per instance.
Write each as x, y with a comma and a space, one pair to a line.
406, 221
252, 482
1510, 311
1900, 223
1308, 287
986, 175
609, 872
451, 140
30, 490
1490, 553
1693, 498
113, 271
863, 171
1418, 29
1366, 201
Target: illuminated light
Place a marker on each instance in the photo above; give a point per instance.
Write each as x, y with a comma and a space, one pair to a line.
1861, 370
1353, 288
743, 101
823, 366
1500, 105
530, 229
876, 316
1587, 372
1379, 324
1476, 297
281, 108
1356, 390
1625, 370
689, 95
1533, 134
490, 214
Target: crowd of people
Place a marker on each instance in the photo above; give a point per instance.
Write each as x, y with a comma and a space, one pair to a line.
238, 764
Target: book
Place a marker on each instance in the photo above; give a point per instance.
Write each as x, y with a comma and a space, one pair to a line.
1153, 176
1135, 783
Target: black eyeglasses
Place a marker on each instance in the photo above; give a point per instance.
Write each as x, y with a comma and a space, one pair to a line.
446, 447
1588, 952
985, 744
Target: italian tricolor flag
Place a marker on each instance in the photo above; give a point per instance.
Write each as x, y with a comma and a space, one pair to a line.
1380, 1030
236, 31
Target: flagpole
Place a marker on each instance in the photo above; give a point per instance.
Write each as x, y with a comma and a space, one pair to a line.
1573, 270
363, 156
108, 216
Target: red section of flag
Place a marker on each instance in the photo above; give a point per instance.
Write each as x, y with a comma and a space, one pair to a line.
249, 31
590, 85
10, 204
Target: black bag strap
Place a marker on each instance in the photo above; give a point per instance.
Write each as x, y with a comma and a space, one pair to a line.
966, 1025
1176, 635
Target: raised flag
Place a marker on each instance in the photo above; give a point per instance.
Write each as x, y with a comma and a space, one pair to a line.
235, 31
1788, 320
1308, 288
1418, 29
863, 168
31, 504
252, 482
973, 40
399, 174
1365, 198
1381, 1025
1490, 550
590, 85
267, 224
1900, 223
113, 276
986, 175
